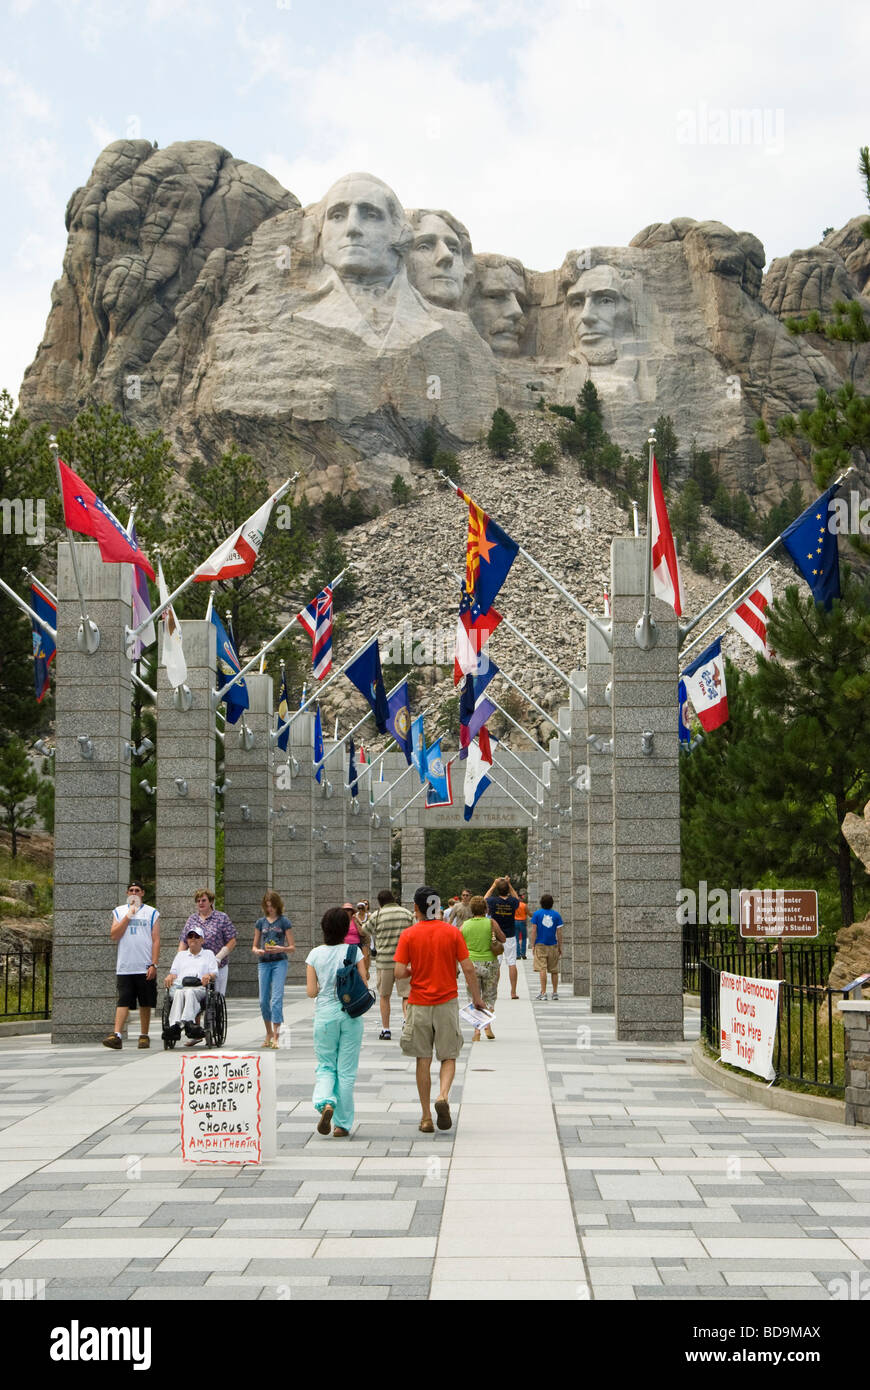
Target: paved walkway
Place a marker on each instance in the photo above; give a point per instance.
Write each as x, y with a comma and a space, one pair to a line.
677, 1189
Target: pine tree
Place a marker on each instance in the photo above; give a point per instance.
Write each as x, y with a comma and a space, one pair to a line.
667, 448
702, 470
428, 446
18, 785
502, 435
721, 505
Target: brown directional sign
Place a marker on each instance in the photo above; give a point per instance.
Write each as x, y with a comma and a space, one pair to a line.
779, 913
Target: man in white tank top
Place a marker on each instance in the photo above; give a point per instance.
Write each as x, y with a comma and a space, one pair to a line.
136, 929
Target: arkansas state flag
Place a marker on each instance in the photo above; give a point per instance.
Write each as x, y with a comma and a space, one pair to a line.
237, 554
705, 683
84, 513
473, 630
667, 581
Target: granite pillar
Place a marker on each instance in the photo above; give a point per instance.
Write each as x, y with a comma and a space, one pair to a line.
248, 830
292, 844
579, 929
599, 803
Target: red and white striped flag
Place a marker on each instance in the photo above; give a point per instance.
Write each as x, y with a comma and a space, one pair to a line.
750, 617
667, 581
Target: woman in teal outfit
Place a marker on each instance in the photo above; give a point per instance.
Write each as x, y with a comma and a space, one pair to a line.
337, 1036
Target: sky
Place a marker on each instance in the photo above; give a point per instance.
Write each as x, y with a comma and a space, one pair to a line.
543, 126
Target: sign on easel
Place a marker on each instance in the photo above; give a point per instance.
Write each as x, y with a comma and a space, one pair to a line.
228, 1107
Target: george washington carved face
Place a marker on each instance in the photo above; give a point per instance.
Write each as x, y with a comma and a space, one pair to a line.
364, 234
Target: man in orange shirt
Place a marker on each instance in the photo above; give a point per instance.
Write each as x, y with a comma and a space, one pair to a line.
429, 951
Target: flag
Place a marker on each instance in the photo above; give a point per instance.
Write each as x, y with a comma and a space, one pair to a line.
418, 747
606, 602
318, 743
683, 715
474, 711
283, 711
667, 581
365, 674
351, 770
399, 719
173, 651
84, 513
476, 781
814, 549
473, 629
140, 604
316, 618
43, 643
363, 762
228, 665
440, 792
705, 685
750, 617
236, 555
489, 554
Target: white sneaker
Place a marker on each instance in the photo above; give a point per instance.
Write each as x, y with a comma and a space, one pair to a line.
542, 996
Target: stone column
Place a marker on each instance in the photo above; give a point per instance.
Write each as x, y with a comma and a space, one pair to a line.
92, 795
856, 1022
328, 836
534, 850
599, 802
185, 852
248, 866
413, 852
646, 801
292, 845
579, 929
564, 897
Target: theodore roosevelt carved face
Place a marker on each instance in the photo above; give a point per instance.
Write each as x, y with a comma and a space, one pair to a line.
498, 307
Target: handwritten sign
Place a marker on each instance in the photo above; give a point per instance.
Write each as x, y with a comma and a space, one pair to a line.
227, 1107
748, 1010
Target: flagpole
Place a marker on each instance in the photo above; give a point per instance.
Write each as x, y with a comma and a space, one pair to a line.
537, 651
646, 634
393, 743
762, 555
505, 748
418, 792
147, 688
185, 583
337, 743
28, 574
218, 695
525, 810
549, 718
728, 611
524, 731
88, 635
42, 622
393, 786
514, 779
551, 579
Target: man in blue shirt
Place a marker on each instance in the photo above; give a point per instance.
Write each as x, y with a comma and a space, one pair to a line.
501, 904
547, 943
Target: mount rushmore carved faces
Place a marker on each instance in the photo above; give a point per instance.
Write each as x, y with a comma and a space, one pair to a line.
600, 314
498, 305
440, 261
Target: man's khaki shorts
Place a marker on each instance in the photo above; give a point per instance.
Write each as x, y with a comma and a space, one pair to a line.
547, 958
386, 980
433, 1027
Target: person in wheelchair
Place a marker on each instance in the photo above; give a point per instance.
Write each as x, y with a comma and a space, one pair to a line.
195, 964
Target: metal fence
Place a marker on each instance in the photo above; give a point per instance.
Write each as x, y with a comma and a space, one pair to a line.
25, 983
810, 1046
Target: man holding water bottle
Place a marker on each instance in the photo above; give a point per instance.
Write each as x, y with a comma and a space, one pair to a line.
136, 929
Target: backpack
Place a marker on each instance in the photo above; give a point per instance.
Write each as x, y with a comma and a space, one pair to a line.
351, 990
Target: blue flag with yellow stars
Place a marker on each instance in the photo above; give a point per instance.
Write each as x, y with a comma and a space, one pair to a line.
814, 549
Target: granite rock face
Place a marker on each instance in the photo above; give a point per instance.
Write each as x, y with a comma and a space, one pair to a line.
201, 299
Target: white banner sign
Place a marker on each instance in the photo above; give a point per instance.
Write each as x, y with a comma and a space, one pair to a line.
227, 1107
748, 1011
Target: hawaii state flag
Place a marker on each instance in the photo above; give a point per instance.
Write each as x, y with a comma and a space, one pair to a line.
667, 581
473, 630
84, 513
489, 554
236, 555
705, 685
316, 618
43, 643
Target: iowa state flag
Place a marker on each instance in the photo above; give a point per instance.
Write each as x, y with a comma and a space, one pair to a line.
705, 684
85, 514
43, 642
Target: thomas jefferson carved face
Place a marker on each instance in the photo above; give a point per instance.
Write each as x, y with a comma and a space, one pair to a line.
436, 264
364, 232
498, 307
599, 314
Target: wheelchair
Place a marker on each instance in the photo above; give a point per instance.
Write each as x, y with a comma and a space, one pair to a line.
214, 1020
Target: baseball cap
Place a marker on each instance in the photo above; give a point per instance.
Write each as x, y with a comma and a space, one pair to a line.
194, 931
428, 902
